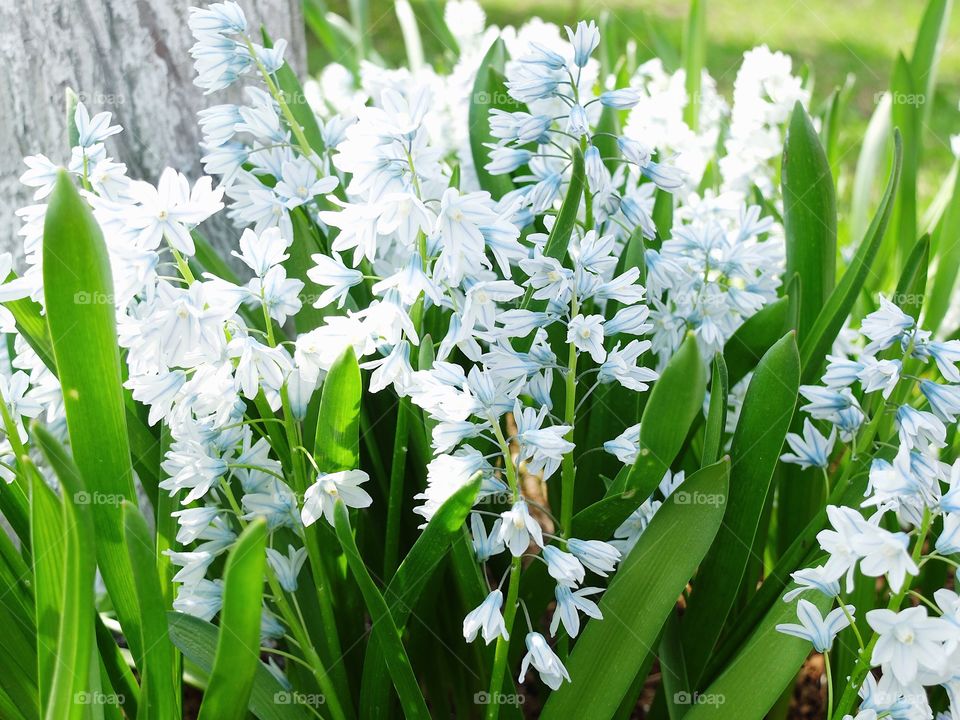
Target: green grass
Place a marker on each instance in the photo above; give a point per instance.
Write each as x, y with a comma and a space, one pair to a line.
832, 38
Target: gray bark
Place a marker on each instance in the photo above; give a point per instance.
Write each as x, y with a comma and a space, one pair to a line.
129, 57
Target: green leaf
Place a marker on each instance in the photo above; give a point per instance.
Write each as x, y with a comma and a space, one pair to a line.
49, 558
197, 639
835, 311
944, 277
158, 699
913, 280
75, 635
337, 444
764, 420
489, 93
927, 51
752, 339
76, 281
403, 591
238, 645
809, 216
398, 664
872, 153
694, 59
905, 113
717, 413
305, 244
768, 663
675, 401
559, 238
641, 595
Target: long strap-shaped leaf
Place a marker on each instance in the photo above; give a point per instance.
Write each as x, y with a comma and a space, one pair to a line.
641, 595
78, 289
756, 678
404, 680
809, 216
764, 420
158, 698
269, 700
837, 308
238, 644
406, 585
675, 401
75, 643
489, 93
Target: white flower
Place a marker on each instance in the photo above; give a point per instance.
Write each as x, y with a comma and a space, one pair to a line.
287, 567
539, 654
486, 618
518, 527
321, 497
598, 556
569, 604
91, 131
811, 450
910, 641
563, 566
814, 627
331, 273
261, 252
170, 210
586, 334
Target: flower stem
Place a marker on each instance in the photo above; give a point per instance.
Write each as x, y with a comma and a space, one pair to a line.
502, 652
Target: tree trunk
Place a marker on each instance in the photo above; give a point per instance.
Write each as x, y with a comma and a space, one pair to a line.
129, 57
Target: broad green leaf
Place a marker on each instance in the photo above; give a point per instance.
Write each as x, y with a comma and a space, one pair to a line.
489, 93
403, 591
809, 216
641, 595
398, 664
835, 311
764, 420
269, 700
238, 644
75, 639
76, 267
158, 699
315, 16
752, 339
694, 59
717, 413
337, 444
675, 401
768, 663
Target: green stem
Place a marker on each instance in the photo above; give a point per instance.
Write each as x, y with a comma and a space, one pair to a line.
568, 470
826, 665
502, 652
397, 471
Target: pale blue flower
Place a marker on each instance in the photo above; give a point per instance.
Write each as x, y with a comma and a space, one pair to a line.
814, 627
570, 603
816, 578
585, 40
944, 399
486, 619
598, 556
810, 450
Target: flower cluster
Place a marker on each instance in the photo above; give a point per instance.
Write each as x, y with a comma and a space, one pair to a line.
881, 390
